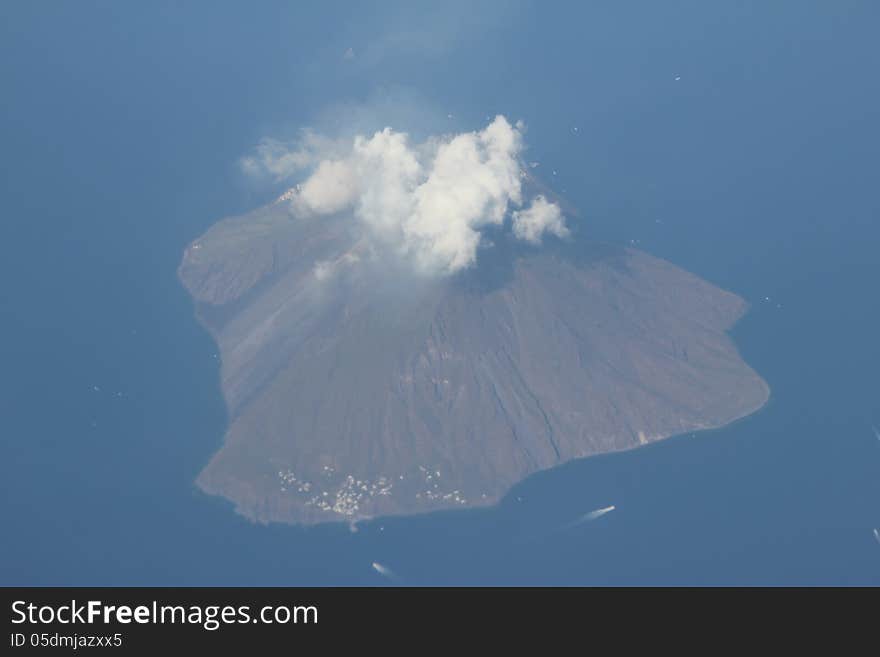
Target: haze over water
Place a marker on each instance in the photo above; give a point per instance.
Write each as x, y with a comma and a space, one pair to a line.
738, 143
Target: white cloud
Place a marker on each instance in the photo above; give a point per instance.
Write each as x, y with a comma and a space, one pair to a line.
331, 188
280, 160
540, 217
427, 202
425, 32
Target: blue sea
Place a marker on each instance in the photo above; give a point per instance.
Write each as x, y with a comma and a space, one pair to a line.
737, 140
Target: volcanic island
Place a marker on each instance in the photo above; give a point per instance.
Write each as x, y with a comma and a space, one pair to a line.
356, 389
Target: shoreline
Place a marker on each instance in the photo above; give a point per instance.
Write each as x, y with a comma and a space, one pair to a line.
480, 505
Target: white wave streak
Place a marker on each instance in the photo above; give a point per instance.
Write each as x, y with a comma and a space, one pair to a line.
385, 571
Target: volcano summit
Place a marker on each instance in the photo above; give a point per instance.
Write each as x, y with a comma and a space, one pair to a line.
382, 366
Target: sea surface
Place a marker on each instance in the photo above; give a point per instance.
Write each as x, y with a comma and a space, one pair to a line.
739, 143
